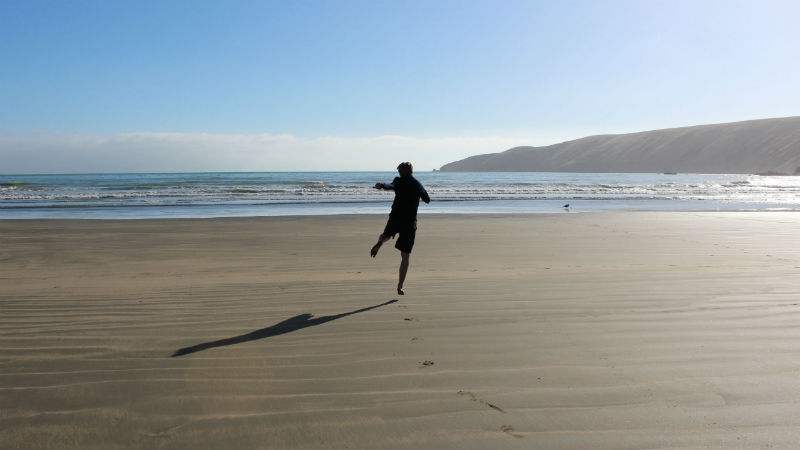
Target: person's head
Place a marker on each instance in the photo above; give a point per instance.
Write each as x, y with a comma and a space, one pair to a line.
405, 169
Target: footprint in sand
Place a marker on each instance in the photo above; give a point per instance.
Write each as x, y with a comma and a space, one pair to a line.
472, 397
509, 430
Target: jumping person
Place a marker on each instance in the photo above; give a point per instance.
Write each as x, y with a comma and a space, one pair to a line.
403, 218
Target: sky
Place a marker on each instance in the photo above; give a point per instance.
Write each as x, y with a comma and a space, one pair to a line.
177, 86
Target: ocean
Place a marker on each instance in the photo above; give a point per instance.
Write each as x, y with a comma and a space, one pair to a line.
224, 194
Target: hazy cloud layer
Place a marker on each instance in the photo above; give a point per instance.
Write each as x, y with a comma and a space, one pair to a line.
49, 152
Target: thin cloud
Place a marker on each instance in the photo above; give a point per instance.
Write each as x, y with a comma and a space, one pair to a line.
51, 152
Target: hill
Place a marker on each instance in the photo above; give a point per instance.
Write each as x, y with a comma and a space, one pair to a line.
753, 146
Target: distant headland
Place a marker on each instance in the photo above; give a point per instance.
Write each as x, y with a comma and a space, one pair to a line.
767, 146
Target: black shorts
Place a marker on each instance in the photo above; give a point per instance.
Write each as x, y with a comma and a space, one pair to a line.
407, 234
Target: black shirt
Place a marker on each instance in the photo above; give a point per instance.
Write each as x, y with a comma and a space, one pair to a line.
407, 192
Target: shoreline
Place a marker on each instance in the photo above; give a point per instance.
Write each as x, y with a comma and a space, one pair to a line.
327, 193
382, 217
440, 208
592, 330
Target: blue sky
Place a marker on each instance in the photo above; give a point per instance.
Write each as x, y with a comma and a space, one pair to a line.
184, 84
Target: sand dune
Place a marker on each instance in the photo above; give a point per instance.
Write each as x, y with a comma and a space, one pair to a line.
755, 146
611, 330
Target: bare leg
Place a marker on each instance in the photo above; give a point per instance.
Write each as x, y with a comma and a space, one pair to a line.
376, 247
403, 271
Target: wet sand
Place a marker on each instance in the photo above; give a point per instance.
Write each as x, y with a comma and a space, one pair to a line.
607, 330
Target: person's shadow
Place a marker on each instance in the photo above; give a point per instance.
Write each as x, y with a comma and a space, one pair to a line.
287, 326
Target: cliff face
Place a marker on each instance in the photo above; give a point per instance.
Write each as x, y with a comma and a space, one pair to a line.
755, 146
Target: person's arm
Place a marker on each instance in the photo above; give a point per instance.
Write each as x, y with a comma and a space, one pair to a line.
423, 193
387, 186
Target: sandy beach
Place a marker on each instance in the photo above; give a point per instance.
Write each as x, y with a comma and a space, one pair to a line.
564, 331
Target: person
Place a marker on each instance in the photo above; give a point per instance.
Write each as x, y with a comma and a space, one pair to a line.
403, 217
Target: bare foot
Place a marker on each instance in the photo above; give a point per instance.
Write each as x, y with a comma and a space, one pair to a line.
400, 292
375, 249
